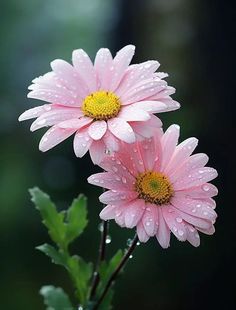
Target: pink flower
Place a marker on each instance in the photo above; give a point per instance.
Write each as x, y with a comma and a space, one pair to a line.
159, 187
101, 103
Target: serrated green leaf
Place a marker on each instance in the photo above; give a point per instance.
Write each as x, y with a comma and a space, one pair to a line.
56, 256
51, 218
55, 298
81, 273
76, 218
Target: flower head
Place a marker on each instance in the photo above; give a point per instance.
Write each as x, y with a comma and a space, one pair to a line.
101, 104
159, 187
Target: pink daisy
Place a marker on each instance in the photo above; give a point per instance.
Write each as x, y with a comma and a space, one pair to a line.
158, 187
101, 103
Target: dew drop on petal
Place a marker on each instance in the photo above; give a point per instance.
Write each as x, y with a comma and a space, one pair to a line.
180, 232
206, 188
124, 180
179, 220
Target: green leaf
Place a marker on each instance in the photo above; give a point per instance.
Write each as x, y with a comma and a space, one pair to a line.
55, 298
81, 273
106, 303
56, 256
76, 218
51, 218
106, 269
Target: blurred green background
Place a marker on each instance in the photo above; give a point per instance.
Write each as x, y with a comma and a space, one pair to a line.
193, 41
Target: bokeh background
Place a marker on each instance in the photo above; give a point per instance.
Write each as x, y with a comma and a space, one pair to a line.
193, 41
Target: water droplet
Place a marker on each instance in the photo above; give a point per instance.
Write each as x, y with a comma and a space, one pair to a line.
135, 150
108, 239
118, 162
198, 206
205, 213
193, 210
140, 162
131, 256
138, 243
124, 180
147, 223
206, 188
197, 235
179, 220
100, 227
129, 242
180, 232
117, 178
114, 168
174, 229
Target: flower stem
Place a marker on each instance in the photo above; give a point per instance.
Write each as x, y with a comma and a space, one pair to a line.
117, 270
101, 257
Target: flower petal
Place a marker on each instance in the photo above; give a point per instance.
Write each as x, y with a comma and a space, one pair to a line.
169, 141
120, 64
130, 113
117, 198
53, 137
97, 130
103, 61
133, 212
97, 151
141, 232
84, 68
108, 213
163, 231
82, 142
121, 129
108, 180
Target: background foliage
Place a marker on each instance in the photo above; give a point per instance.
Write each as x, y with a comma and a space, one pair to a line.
193, 41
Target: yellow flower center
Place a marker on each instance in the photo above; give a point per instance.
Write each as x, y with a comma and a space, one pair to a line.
154, 187
101, 105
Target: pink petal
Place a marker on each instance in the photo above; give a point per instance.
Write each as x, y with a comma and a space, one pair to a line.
169, 141
135, 73
163, 232
97, 151
103, 61
108, 180
130, 113
181, 153
151, 106
120, 64
121, 129
192, 162
75, 123
203, 191
142, 235
53, 137
175, 223
97, 130
150, 219
149, 152
53, 96
192, 235
82, 142
113, 164
54, 117
108, 213
84, 68
133, 212
111, 142
197, 177
69, 78
34, 112
117, 198
194, 207
208, 231
142, 91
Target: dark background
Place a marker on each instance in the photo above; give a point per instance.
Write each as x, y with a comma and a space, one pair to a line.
193, 40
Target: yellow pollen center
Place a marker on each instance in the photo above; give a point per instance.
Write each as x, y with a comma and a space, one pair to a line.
154, 187
101, 105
